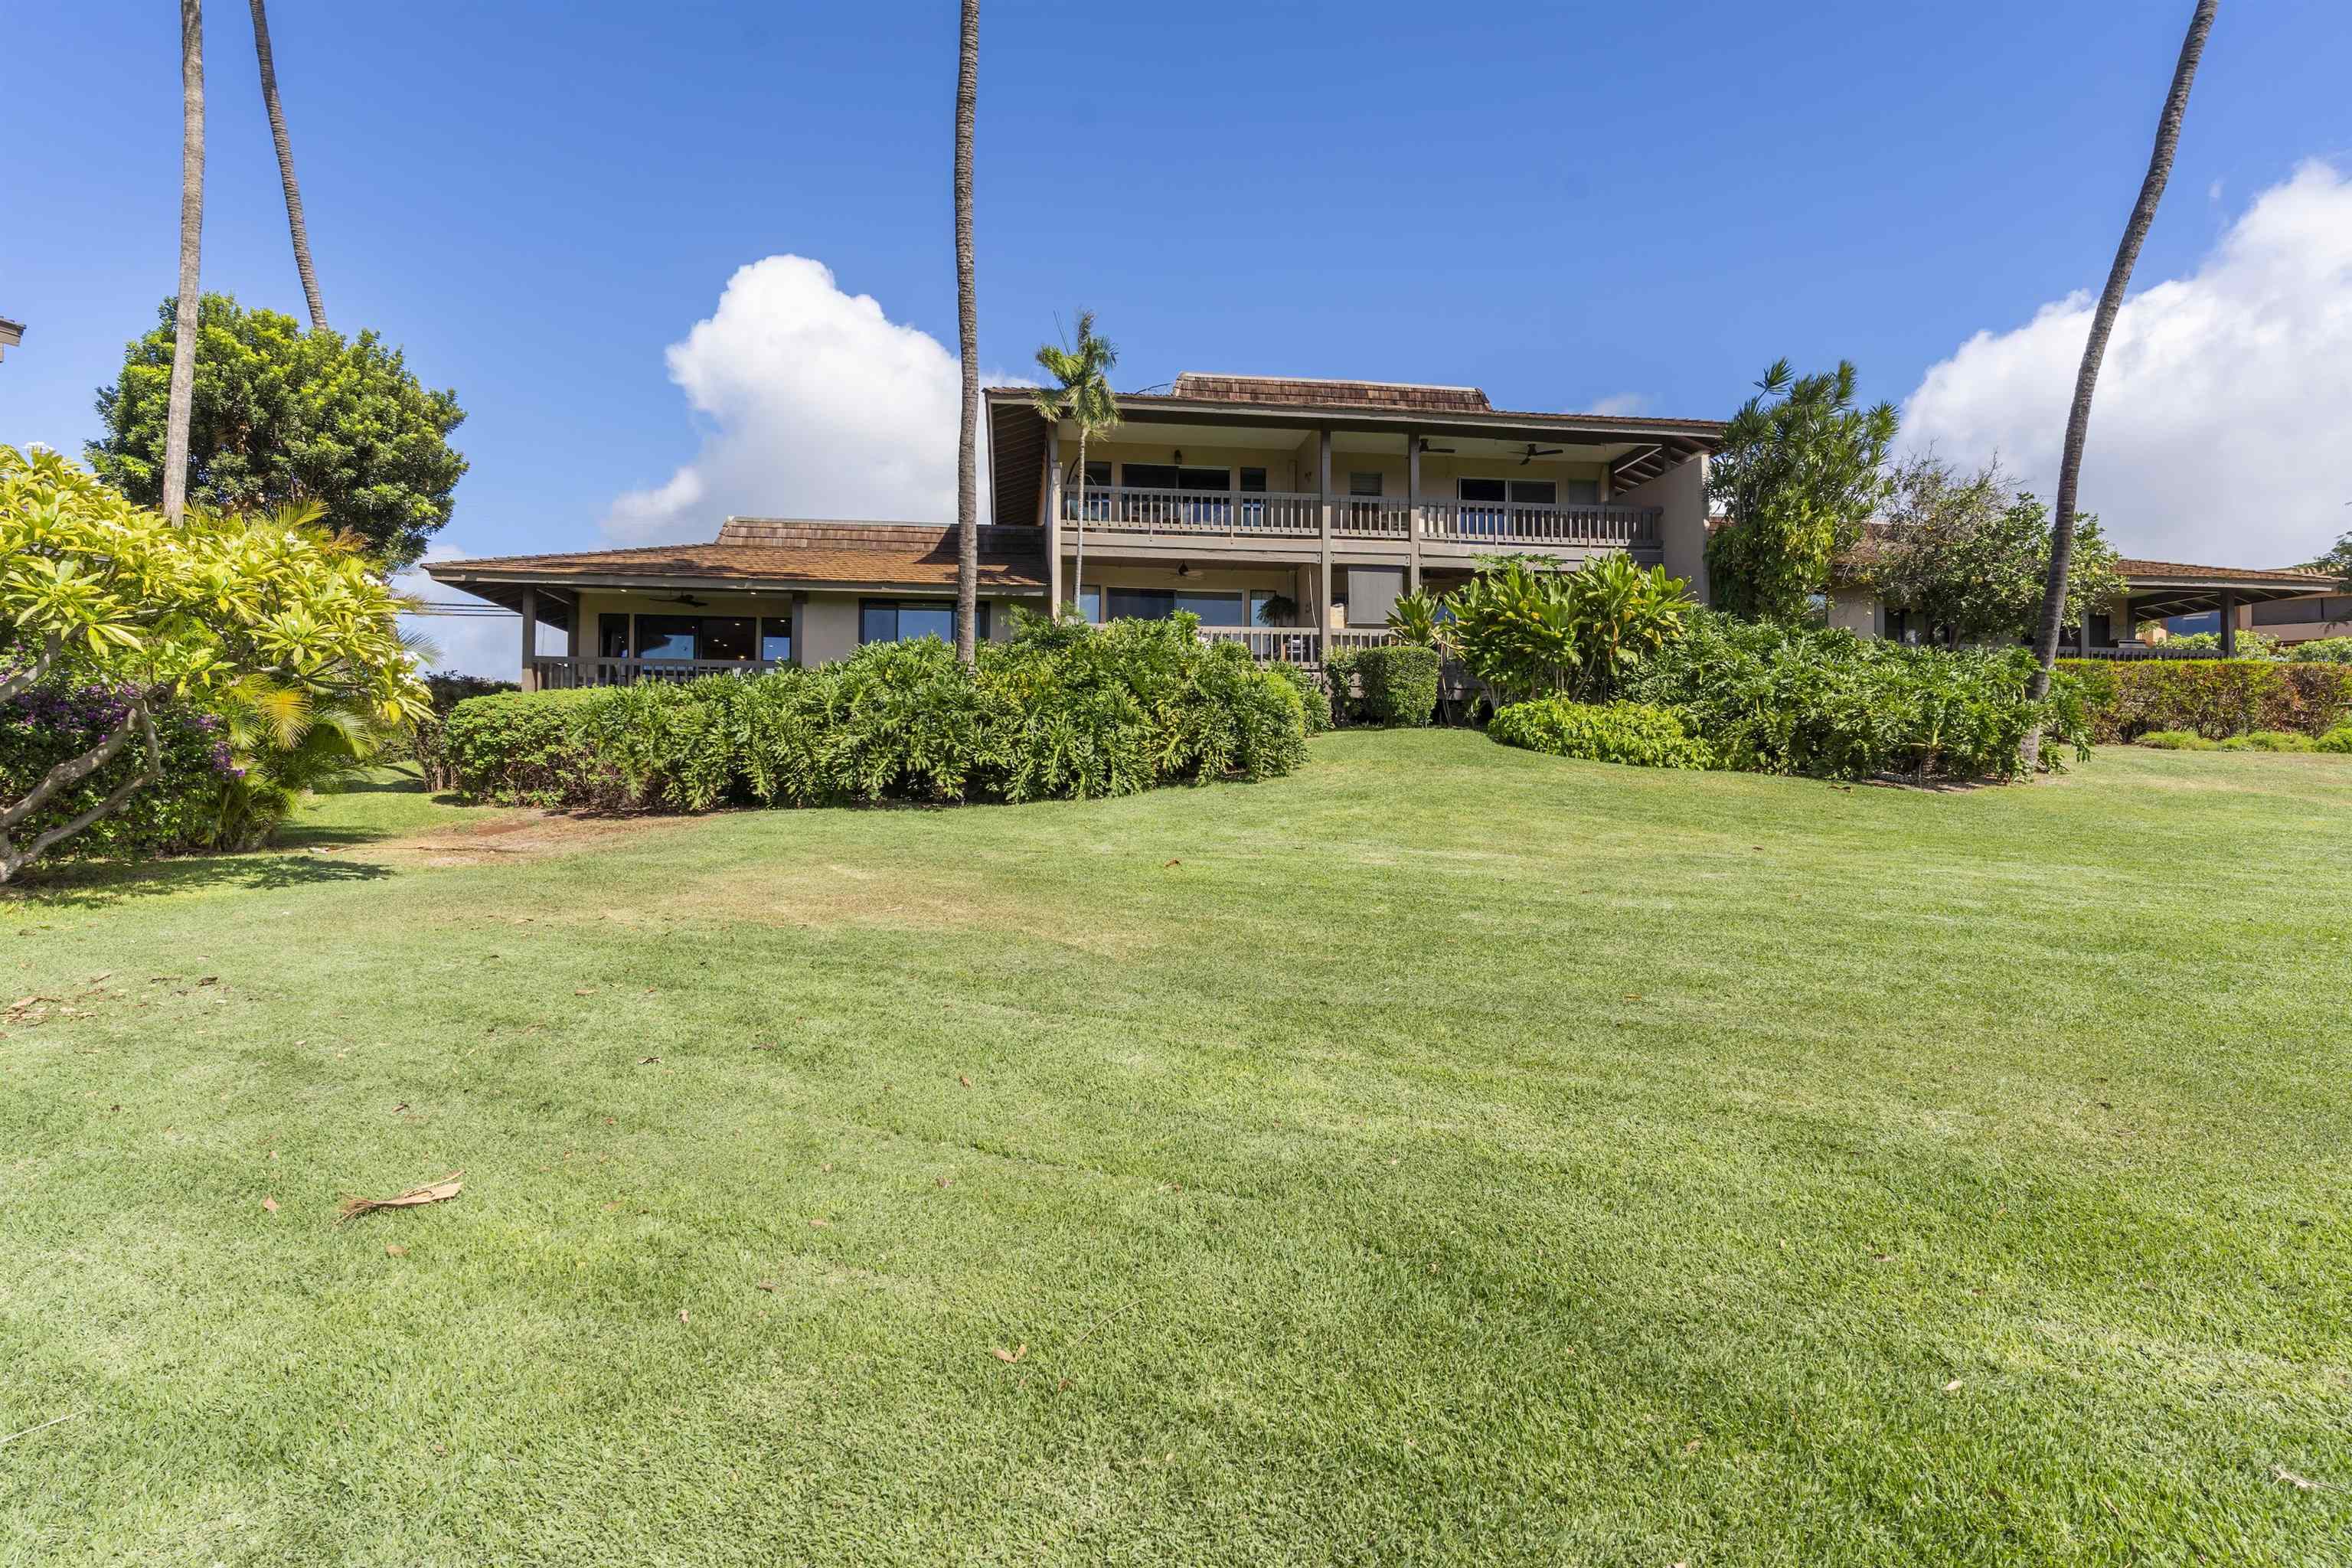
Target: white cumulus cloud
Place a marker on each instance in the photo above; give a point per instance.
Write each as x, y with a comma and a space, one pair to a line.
2222, 431
818, 406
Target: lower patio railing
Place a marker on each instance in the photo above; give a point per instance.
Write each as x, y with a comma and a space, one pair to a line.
564, 674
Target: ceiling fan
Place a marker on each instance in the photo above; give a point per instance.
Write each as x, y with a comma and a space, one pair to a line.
1534, 451
1427, 448
684, 599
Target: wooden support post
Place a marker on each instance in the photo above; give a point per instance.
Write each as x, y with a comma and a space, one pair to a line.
1323, 575
2229, 623
1053, 520
531, 639
1412, 513
799, 630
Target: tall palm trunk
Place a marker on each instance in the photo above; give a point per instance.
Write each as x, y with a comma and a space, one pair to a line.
968, 325
2103, 322
285, 167
182, 408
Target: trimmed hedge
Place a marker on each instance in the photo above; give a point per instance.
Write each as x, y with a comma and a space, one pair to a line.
2213, 698
1061, 712
1820, 701
1630, 732
1399, 683
1313, 696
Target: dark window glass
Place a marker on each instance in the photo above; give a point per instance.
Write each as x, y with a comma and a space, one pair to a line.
1898, 625
666, 637
1141, 603
2102, 631
1150, 476
1478, 489
905, 620
1364, 482
1535, 492
776, 641
611, 636
1158, 604
1218, 479
1090, 604
1097, 473
1584, 492
728, 637
1253, 481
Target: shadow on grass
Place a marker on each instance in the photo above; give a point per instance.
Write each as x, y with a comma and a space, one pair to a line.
99, 886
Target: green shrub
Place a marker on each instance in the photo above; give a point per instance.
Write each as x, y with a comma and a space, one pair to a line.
2269, 740
2177, 741
1314, 697
2321, 651
1794, 700
57, 721
1399, 684
2215, 698
1528, 632
1629, 732
2339, 740
1059, 712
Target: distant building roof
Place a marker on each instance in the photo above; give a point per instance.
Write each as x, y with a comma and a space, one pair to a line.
11, 332
1309, 392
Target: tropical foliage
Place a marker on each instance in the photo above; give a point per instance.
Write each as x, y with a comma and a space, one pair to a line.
1081, 394
285, 417
2217, 698
1800, 470
1630, 732
1061, 711
1528, 632
1422, 619
286, 630
1970, 553
1770, 697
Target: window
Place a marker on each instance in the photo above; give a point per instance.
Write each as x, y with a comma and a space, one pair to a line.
1090, 604
1364, 482
666, 637
776, 640
1486, 502
1261, 606
727, 636
1584, 492
611, 635
1158, 604
905, 620
1898, 626
2103, 630
1253, 481
1169, 476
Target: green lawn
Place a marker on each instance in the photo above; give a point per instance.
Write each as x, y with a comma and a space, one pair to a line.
1446, 1153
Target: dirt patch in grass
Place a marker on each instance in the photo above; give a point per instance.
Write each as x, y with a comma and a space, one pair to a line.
534, 838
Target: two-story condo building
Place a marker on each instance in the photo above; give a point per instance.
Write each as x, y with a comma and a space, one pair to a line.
1285, 513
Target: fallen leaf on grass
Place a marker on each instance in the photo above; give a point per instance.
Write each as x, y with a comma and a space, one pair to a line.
583, 990
964, 1080
1953, 1386
449, 1186
1009, 1356
682, 1315
764, 1285
2300, 1483
820, 1224
270, 1205
393, 1250
945, 1180
610, 1207
644, 1061
1692, 1447
1165, 864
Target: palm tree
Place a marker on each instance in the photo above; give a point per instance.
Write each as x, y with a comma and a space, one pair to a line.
968, 326
1081, 394
2103, 322
285, 167
182, 408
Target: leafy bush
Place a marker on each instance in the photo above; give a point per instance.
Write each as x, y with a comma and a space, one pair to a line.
2270, 741
1528, 633
1314, 697
1422, 620
1770, 698
2215, 698
2321, 651
2177, 741
57, 721
1060, 712
1629, 732
1399, 684
2339, 740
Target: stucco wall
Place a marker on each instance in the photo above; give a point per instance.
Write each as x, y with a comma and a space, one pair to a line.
1680, 494
1857, 610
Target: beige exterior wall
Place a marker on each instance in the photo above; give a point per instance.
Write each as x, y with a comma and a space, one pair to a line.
1680, 496
1856, 610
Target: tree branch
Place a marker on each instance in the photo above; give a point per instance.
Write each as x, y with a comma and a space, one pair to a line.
23, 679
12, 861
73, 770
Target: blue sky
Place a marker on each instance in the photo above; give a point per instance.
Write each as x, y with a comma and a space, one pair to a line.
1568, 206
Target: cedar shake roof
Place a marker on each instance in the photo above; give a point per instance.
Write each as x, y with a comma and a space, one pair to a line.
1309, 392
2292, 577
772, 550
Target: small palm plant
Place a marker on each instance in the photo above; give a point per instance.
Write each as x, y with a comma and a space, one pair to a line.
1420, 619
1081, 394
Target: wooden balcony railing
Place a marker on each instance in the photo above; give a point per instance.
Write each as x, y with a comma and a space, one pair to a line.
556, 673
1232, 514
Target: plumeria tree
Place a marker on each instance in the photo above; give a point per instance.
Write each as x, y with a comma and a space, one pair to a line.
1971, 552
265, 615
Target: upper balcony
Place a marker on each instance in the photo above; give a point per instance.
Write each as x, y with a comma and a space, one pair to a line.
1117, 514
